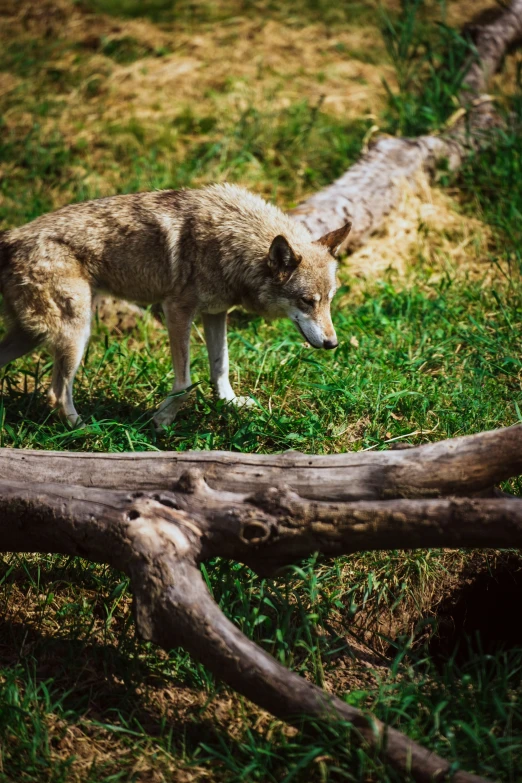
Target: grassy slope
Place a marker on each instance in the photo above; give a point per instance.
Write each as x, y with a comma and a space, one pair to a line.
429, 355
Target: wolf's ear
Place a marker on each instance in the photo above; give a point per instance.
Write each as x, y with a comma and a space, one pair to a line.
335, 239
282, 261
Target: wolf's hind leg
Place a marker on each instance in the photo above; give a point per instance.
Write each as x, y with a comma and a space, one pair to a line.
215, 326
15, 344
179, 317
67, 349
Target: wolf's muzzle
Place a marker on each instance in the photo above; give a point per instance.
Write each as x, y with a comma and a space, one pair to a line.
329, 344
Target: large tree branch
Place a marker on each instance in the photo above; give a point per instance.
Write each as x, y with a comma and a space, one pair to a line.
159, 539
186, 614
491, 42
266, 530
464, 466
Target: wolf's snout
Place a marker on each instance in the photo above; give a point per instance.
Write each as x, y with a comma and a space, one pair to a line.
329, 344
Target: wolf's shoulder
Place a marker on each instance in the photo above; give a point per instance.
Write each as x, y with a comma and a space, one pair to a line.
239, 206
236, 198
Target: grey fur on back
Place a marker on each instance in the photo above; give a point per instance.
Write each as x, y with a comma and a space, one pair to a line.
144, 246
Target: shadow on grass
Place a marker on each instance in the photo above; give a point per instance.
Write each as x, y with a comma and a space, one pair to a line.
99, 685
21, 407
479, 615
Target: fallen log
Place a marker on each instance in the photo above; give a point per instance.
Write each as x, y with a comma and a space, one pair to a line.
459, 466
157, 517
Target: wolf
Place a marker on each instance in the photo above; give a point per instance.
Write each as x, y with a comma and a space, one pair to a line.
194, 251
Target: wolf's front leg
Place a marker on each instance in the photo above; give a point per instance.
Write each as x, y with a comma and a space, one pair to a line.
179, 317
215, 326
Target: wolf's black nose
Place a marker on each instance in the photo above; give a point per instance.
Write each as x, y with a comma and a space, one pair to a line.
330, 344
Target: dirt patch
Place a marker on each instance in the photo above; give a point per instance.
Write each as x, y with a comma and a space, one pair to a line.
480, 612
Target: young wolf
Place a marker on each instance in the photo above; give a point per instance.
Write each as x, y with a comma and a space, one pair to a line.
195, 251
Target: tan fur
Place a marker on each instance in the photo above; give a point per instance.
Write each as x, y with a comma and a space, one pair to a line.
195, 251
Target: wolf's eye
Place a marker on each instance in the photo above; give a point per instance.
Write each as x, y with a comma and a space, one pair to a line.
308, 302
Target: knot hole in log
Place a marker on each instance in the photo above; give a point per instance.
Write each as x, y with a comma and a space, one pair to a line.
254, 532
169, 502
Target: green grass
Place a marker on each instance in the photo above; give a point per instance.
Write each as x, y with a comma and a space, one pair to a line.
287, 152
439, 357
431, 356
494, 190
430, 62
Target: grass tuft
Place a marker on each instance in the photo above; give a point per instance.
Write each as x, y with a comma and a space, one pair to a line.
430, 62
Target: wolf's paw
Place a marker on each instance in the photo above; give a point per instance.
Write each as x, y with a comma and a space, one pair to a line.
167, 411
75, 422
162, 420
70, 418
242, 402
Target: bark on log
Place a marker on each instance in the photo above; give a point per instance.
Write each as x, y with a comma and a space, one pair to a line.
491, 41
265, 530
465, 466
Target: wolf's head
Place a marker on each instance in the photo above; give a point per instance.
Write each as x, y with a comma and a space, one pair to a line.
303, 283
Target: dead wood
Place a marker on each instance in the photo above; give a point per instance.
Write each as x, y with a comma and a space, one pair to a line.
492, 39
160, 538
265, 530
459, 466
165, 519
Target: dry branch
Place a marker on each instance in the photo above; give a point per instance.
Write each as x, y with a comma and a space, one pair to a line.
165, 520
